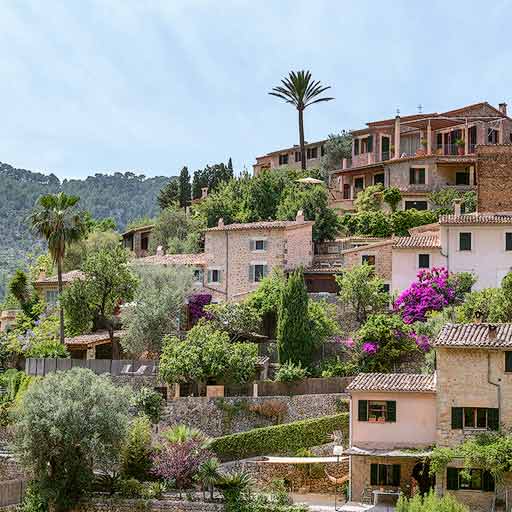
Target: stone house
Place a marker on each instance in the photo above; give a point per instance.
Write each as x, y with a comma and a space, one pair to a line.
7, 319
420, 153
290, 157
392, 429
137, 240
47, 287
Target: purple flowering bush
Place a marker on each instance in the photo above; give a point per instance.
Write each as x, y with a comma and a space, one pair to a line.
431, 292
196, 304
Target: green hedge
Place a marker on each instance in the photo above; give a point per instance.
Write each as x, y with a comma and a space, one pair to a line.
279, 439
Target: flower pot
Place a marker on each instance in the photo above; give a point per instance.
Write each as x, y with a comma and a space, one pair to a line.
420, 152
460, 150
372, 420
381, 420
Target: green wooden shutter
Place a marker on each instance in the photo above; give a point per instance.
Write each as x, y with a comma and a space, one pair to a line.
251, 273
356, 147
396, 474
493, 419
452, 479
508, 361
412, 176
487, 482
370, 143
252, 245
391, 405
362, 407
265, 270
374, 474
209, 276
457, 417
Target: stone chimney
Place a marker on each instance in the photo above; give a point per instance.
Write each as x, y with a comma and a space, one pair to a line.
492, 331
42, 274
457, 206
204, 192
299, 217
478, 317
503, 108
220, 224
397, 137
159, 251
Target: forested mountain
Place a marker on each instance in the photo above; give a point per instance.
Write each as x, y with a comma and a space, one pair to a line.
123, 196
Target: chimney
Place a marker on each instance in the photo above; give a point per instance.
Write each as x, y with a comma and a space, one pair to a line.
457, 206
397, 137
159, 251
42, 274
204, 192
478, 317
299, 217
503, 108
492, 331
220, 224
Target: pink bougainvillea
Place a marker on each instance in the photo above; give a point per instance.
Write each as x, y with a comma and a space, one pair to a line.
431, 292
196, 304
370, 348
422, 341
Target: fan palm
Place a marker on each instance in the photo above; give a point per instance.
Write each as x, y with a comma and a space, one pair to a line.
183, 433
57, 219
301, 91
209, 475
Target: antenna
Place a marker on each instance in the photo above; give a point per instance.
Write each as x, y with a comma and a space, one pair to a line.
420, 108
398, 111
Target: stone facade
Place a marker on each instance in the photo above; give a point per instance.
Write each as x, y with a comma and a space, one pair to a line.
382, 251
494, 167
217, 417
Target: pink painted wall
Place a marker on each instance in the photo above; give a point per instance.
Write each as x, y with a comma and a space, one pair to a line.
415, 424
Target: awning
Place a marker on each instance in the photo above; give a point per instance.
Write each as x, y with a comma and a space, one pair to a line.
414, 453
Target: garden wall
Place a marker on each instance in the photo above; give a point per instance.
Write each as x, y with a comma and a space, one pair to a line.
118, 505
220, 416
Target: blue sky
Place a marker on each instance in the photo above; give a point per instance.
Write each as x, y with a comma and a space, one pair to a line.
113, 85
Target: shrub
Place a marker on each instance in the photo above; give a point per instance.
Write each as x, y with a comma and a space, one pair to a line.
290, 372
183, 433
430, 503
129, 488
149, 402
136, 451
334, 367
278, 439
33, 501
51, 348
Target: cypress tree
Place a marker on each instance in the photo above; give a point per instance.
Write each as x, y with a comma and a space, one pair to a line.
185, 189
168, 195
294, 342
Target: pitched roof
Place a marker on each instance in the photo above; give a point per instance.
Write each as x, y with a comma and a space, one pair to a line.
67, 277
417, 242
93, 337
275, 224
194, 259
400, 382
148, 227
476, 218
484, 335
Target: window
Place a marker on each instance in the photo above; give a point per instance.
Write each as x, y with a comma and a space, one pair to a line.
283, 159
257, 272
385, 474
322, 150
472, 479
359, 183
51, 297
214, 276
369, 259
356, 147
378, 178
417, 205
144, 241
464, 241
423, 260
417, 176
508, 241
508, 362
258, 245
492, 136
312, 153
298, 156
462, 178
198, 275
386, 287
373, 410
346, 191
475, 417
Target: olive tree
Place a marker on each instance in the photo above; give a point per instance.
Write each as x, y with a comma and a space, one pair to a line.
67, 425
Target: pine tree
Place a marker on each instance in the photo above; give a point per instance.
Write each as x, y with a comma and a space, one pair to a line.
169, 194
185, 189
230, 166
294, 341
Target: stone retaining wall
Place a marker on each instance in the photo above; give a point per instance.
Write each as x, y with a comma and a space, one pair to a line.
119, 505
220, 416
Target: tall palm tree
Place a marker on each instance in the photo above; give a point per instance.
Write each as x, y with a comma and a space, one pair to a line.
57, 219
301, 91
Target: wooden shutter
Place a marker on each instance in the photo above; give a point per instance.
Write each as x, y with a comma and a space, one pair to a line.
265, 270
362, 407
370, 143
356, 147
457, 413
412, 176
391, 405
374, 474
452, 479
209, 276
493, 419
251, 273
252, 245
421, 176
487, 482
396, 474
508, 361
265, 244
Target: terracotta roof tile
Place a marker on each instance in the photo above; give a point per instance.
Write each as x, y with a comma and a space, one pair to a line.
483, 335
476, 218
94, 337
417, 242
400, 382
275, 224
198, 259
67, 277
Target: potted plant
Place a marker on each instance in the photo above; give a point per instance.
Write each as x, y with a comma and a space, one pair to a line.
381, 419
372, 419
460, 146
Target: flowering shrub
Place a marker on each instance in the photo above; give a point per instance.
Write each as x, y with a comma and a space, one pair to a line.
431, 292
196, 305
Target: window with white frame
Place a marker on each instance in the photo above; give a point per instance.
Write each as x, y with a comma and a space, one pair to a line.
214, 275
423, 260
258, 244
198, 275
257, 271
51, 297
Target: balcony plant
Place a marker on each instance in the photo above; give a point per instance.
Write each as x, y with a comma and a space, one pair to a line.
460, 146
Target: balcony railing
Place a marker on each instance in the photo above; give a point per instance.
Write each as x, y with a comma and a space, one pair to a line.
450, 149
386, 155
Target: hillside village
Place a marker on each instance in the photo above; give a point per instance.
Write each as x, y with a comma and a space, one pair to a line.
330, 332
